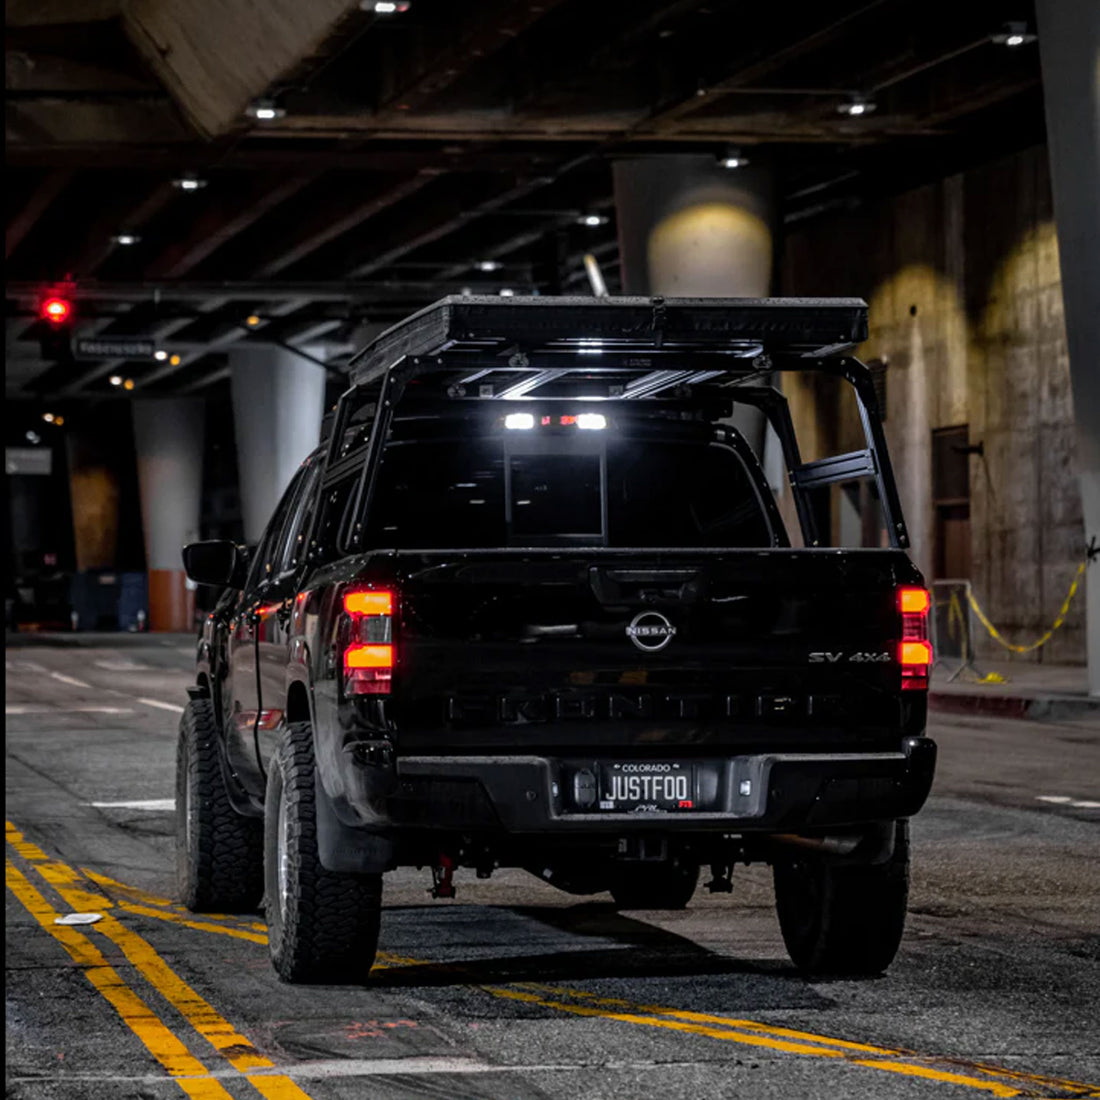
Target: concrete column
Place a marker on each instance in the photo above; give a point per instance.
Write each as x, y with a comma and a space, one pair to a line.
94, 492
1069, 44
168, 434
278, 402
689, 228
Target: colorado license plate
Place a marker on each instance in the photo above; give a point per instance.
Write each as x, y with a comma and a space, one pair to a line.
651, 786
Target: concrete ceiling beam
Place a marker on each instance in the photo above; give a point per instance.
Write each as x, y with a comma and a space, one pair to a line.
216, 58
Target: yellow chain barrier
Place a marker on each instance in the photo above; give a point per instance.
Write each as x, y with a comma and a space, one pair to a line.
1061, 618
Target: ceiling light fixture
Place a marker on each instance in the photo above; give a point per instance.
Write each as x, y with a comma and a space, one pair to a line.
1013, 35
592, 220
188, 182
160, 354
488, 265
264, 110
507, 292
733, 158
116, 379
126, 238
252, 320
128, 384
384, 7
174, 361
857, 106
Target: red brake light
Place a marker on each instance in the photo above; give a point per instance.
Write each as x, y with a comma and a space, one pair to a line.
56, 310
369, 653
914, 650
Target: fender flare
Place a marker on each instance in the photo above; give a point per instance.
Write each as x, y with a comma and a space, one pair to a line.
341, 848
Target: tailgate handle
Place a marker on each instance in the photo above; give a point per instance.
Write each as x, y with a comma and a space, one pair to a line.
608, 584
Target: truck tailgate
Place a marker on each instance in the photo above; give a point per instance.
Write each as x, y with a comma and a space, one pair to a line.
581, 648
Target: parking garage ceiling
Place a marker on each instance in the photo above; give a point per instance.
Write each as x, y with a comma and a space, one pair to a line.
434, 147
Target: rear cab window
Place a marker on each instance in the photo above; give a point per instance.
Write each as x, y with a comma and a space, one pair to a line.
628, 488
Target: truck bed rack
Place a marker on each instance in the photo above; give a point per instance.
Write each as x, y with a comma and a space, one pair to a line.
535, 339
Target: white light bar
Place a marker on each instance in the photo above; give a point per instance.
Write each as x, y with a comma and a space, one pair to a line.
520, 421
591, 421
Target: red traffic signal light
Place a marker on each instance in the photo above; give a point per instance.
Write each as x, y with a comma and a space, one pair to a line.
56, 310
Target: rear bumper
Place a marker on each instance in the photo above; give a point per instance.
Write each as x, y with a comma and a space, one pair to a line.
774, 792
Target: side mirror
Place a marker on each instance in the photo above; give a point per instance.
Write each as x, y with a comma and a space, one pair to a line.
218, 562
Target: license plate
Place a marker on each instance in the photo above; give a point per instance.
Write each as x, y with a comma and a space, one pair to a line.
647, 787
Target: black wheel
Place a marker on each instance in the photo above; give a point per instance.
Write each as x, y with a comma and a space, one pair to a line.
668, 884
321, 926
842, 919
219, 852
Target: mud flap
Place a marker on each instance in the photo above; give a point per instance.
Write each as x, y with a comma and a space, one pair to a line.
345, 849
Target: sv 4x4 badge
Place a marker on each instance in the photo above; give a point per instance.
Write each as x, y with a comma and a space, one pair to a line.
824, 656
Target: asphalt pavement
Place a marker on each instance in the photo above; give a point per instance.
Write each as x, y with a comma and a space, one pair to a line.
514, 990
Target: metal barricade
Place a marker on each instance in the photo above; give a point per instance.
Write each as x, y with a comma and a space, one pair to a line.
952, 627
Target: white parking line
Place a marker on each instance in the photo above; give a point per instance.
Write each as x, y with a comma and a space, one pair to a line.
23, 666
140, 804
69, 680
33, 708
1065, 800
162, 706
118, 664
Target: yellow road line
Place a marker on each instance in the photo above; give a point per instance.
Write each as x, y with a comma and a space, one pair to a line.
730, 1035
24, 847
114, 886
845, 1044
189, 1073
197, 925
704, 1018
199, 1013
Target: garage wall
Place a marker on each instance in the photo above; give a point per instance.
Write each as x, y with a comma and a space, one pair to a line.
965, 300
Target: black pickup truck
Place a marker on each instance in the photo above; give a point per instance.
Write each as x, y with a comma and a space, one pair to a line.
533, 604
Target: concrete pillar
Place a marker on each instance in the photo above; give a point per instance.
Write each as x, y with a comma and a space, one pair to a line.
1069, 44
689, 228
168, 434
94, 492
278, 402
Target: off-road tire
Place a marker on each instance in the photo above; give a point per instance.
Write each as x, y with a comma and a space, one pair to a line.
322, 927
219, 852
668, 884
840, 919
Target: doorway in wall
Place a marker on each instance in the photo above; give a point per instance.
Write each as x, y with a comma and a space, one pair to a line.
951, 502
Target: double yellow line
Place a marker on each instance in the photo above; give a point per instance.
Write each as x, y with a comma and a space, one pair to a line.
198, 1082
191, 1074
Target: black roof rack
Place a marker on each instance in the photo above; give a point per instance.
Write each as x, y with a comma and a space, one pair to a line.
526, 344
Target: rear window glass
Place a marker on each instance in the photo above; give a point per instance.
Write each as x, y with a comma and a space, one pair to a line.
630, 493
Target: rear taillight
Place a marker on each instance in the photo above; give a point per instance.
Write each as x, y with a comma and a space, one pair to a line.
368, 654
914, 649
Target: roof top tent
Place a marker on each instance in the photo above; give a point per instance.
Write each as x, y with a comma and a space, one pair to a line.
657, 355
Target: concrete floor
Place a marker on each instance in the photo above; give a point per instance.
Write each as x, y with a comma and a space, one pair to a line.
515, 990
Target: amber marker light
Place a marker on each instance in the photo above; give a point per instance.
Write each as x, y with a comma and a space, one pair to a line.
913, 601
368, 603
915, 654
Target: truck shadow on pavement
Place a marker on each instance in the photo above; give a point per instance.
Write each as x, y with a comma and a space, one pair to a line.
636, 949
